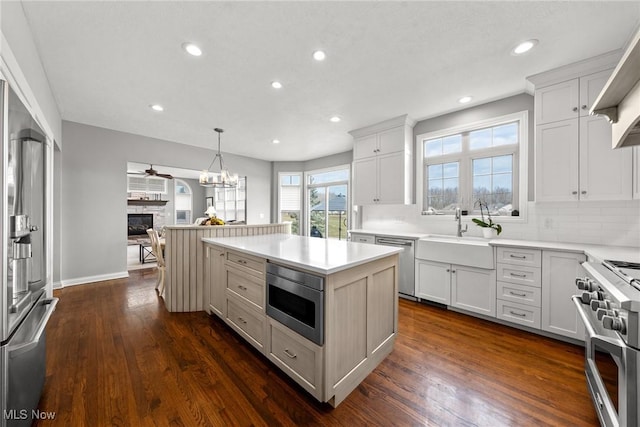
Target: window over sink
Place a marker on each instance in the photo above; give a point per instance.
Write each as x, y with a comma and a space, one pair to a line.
483, 161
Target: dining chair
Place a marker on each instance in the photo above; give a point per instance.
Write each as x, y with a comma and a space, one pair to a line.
157, 251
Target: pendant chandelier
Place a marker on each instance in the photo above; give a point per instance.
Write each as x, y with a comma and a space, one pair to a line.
224, 179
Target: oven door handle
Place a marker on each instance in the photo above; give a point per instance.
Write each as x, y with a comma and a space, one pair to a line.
612, 345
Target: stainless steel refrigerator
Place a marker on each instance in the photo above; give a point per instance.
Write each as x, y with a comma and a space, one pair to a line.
24, 306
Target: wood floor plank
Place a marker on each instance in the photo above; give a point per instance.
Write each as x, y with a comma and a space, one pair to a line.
117, 357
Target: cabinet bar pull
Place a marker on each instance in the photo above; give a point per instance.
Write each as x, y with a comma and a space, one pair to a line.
517, 314
518, 275
241, 320
291, 355
575, 109
517, 256
244, 288
517, 294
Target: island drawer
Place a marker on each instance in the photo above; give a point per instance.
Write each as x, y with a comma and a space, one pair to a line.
246, 286
519, 256
250, 264
522, 294
519, 313
530, 276
247, 321
299, 357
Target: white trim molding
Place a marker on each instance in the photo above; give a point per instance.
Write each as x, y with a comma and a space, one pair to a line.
90, 279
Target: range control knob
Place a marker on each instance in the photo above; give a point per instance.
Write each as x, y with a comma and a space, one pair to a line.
597, 304
601, 312
614, 323
588, 296
586, 284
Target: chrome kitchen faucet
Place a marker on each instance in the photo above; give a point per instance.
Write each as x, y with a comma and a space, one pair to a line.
459, 219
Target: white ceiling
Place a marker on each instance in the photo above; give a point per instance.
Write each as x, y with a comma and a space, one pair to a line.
108, 61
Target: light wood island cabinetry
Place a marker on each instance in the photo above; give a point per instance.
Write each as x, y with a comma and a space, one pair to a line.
186, 263
360, 307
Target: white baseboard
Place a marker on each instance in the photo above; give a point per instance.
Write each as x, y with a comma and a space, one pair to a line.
91, 279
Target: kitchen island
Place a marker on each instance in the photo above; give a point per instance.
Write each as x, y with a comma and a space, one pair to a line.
359, 305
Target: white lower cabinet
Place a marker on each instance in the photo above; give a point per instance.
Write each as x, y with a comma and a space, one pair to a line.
473, 289
434, 281
467, 288
215, 280
559, 272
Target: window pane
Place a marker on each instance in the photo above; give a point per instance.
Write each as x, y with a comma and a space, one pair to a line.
481, 166
294, 218
502, 164
480, 139
435, 187
333, 176
317, 215
450, 170
452, 144
481, 185
433, 147
502, 183
434, 171
505, 134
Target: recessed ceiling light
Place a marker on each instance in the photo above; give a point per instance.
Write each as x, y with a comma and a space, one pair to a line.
156, 107
319, 55
275, 141
276, 85
465, 99
524, 47
335, 119
192, 49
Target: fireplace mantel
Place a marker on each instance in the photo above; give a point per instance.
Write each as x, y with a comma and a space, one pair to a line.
142, 202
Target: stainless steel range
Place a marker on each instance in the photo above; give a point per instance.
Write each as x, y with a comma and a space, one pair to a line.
609, 306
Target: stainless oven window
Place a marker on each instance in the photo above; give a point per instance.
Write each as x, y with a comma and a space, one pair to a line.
293, 305
296, 299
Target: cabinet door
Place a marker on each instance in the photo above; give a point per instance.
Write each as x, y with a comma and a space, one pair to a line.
365, 173
392, 179
365, 147
605, 174
559, 272
215, 281
434, 281
391, 140
363, 238
557, 102
473, 289
590, 87
557, 161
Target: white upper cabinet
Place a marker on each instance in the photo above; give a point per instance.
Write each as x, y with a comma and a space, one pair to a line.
383, 163
574, 159
557, 102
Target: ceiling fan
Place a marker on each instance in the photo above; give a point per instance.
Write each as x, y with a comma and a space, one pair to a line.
152, 172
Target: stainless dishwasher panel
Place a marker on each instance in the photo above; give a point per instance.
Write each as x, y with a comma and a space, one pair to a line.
406, 263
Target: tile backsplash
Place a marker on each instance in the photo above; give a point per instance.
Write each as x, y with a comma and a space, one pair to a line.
608, 223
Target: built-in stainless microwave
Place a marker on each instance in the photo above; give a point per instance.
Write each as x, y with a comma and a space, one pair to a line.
296, 299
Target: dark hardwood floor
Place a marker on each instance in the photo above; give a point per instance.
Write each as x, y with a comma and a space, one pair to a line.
117, 357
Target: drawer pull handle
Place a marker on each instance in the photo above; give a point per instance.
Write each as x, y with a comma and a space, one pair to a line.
517, 256
241, 320
517, 294
242, 287
222, 254
518, 275
517, 314
288, 353
241, 261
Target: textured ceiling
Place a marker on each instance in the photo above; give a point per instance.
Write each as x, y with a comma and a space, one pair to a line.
108, 61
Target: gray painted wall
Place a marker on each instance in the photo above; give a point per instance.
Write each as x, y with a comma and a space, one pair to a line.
93, 193
498, 108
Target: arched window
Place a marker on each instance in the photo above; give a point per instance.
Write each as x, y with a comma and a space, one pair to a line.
183, 204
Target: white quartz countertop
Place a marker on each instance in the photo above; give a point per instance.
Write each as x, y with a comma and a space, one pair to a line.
402, 234
323, 256
599, 252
